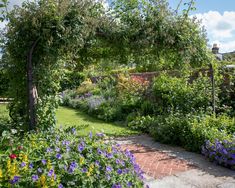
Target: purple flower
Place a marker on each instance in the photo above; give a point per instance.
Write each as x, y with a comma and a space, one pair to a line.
44, 161
15, 180
34, 177
90, 134
50, 173
49, 150
116, 186
72, 167
58, 156
108, 169
119, 171
100, 134
23, 164
129, 184
97, 163
108, 177
68, 148
84, 170
60, 186
109, 155
99, 151
80, 148
39, 170
57, 149
31, 165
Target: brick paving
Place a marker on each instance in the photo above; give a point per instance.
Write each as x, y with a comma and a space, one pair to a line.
156, 163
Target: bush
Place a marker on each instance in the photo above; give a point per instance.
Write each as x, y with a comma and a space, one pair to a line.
176, 94
190, 131
62, 159
71, 80
142, 123
220, 152
4, 86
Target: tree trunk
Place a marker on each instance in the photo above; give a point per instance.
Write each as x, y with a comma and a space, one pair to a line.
32, 90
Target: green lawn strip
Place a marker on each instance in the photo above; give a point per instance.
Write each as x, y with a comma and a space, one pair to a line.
3, 110
67, 117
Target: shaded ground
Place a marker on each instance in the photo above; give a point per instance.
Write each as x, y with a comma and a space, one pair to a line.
172, 167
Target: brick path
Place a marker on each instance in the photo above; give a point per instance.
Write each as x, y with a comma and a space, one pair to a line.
156, 163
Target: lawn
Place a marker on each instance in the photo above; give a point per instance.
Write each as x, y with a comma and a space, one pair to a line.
67, 117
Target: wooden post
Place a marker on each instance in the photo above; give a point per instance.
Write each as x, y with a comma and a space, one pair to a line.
32, 90
213, 88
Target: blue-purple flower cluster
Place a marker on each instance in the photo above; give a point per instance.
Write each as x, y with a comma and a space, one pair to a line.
220, 152
64, 159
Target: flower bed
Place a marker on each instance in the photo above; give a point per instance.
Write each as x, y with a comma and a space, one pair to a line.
220, 152
62, 159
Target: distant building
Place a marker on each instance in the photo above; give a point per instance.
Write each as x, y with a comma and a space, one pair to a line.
215, 50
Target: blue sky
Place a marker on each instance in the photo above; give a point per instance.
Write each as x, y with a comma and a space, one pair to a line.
218, 17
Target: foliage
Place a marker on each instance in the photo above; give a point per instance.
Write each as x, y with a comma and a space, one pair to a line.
191, 131
48, 31
4, 80
177, 94
63, 159
71, 80
86, 87
220, 152
142, 123
227, 93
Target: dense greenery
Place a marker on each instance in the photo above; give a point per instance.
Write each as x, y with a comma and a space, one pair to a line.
53, 34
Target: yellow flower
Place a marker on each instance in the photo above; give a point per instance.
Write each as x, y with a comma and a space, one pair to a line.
43, 180
13, 170
1, 176
81, 160
25, 158
109, 149
8, 166
49, 166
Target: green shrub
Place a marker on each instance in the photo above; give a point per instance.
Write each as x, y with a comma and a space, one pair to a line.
176, 94
191, 131
71, 80
63, 159
142, 123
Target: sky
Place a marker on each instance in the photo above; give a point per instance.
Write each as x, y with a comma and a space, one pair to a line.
218, 17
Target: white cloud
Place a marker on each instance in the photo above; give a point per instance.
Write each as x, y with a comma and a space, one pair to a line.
220, 28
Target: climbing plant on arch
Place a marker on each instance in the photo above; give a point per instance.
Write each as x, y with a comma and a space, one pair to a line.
42, 36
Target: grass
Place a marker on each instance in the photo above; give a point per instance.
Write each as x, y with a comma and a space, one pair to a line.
67, 117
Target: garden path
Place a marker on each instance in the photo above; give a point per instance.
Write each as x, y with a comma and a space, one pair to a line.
173, 167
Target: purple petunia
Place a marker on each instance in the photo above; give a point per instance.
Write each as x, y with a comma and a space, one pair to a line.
58, 156
15, 180
116, 186
108, 169
49, 150
35, 178
119, 171
31, 165
80, 148
23, 164
44, 161
39, 170
50, 173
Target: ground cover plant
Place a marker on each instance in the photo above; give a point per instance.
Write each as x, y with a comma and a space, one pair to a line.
61, 158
